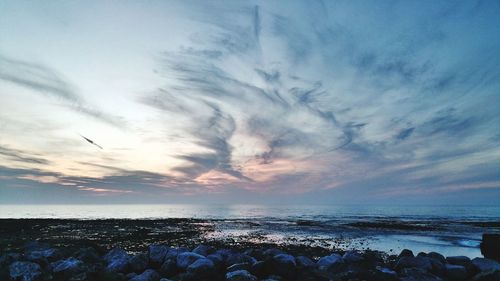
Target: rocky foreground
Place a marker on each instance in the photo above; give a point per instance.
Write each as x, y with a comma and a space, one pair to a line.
38, 261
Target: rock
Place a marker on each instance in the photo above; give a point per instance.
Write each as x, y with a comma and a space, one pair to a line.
272, 252
406, 253
169, 268
304, 262
437, 256
139, 262
88, 255
201, 268
147, 275
383, 273
240, 266
483, 264
157, 254
25, 271
491, 275
42, 255
490, 246
131, 275
174, 252
417, 262
117, 260
284, 265
165, 279
240, 275
217, 259
67, 268
333, 263
458, 260
203, 250
186, 259
352, 257
261, 268
234, 258
456, 272
418, 274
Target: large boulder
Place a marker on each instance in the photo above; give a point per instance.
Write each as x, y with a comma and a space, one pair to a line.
169, 268
203, 250
490, 246
483, 264
459, 260
174, 252
240, 275
332, 263
233, 258
406, 253
25, 271
139, 263
186, 259
304, 262
352, 257
117, 260
201, 268
284, 265
418, 274
456, 272
239, 266
157, 254
88, 255
148, 275
416, 262
67, 268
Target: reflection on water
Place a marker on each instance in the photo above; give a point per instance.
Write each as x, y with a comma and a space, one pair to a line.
450, 230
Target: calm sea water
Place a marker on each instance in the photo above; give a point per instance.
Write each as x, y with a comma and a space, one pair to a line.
450, 230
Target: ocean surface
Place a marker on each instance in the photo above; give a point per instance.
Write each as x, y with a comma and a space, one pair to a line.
450, 230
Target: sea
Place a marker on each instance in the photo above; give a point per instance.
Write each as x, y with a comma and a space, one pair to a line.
449, 230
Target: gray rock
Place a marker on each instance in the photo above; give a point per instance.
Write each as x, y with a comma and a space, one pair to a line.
201, 268
417, 262
148, 275
284, 265
234, 258
174, 252
333, 263
25, 271
386, 273
217, 259
139, 262
437, 256
186, 259
304, 262
352, 257
459, 260
117, 260
240, 275
483, 264
203, 250
456, 272
157, 254
239, 266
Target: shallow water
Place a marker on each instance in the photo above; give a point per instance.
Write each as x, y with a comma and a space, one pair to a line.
450, 230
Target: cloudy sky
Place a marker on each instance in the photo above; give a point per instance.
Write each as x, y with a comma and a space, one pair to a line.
250, 101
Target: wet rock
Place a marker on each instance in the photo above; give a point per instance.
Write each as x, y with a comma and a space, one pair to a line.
42, 256
239, 266
418, 274
458, 260
157, 254
352, 257
203, 250
169, 268
491, 275
406, 253
332, 263
261, 268
304, 262
201, 268
490, 246
117, 260
174, 252
139, 262
131, 275
67, 268
234, 258
240, 275
483, 264
25, 271
147, 275
284, 265
437, 256
217, 259
186, 259
417, 262
88, 255
456, 272
383, 273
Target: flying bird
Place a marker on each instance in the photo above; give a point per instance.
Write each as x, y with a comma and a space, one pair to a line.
91, 141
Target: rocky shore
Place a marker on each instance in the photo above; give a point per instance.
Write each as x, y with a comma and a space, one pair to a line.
40, 261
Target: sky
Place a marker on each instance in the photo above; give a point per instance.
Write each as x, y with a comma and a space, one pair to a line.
303, 102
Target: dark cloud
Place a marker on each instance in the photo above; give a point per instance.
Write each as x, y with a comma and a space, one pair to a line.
22, 156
